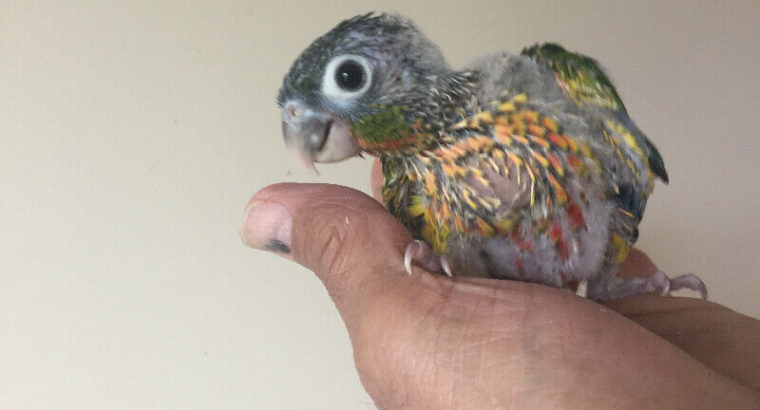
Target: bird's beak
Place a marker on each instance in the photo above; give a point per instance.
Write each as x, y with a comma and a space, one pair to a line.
313, 136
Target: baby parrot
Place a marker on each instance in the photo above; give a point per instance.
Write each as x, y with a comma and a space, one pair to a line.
522, 166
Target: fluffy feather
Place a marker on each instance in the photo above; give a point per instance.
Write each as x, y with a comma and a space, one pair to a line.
520, 167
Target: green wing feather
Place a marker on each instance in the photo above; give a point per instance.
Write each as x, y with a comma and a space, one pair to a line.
580, 76
584, 81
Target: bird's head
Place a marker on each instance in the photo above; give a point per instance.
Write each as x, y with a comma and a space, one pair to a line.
356, 89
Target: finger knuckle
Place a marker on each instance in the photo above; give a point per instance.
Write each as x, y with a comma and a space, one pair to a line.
332, 246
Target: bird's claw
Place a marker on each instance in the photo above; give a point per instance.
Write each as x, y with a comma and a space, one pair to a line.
446, 267
420, 253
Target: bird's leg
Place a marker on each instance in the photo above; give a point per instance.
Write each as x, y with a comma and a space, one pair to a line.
420, 253
611, 288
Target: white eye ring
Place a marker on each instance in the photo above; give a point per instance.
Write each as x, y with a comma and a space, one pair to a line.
346, 77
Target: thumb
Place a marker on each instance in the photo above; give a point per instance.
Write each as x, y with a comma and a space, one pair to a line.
348, 239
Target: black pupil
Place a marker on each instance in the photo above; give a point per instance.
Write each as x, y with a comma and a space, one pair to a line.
350, 76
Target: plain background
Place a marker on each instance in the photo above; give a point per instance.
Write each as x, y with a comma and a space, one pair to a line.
133, 133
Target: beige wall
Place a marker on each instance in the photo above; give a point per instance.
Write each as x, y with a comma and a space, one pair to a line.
132, 135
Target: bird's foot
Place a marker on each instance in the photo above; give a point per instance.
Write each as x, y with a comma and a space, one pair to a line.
612, 288
662, 284
420, 253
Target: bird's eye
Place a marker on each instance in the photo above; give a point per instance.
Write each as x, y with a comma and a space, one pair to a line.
350, 75
346, 77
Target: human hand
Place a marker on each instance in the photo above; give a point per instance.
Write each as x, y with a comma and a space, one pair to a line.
428, 341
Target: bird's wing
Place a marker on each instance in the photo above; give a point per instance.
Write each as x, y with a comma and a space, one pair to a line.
585, 83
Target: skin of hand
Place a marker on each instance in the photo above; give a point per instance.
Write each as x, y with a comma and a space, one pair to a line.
431, 342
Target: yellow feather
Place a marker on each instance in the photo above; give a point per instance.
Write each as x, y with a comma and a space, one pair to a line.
621, 248
417, 206
486, 117
631, 141
508, 106
541, 159
520, 98
484, 227
530, 116
460, 125
504, 225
